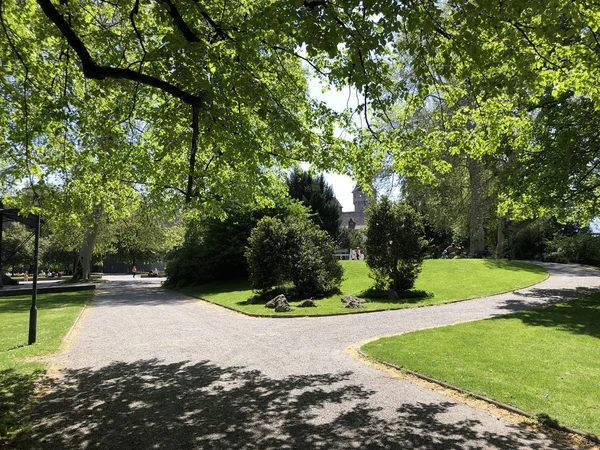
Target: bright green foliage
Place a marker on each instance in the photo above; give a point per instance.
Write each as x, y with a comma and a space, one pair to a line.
317, 195
395, 246
99, 96
143, 236
478, 278
541, 361
496, 77
293, 250
561, 161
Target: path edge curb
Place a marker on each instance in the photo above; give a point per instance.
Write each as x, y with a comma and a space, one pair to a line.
555, 425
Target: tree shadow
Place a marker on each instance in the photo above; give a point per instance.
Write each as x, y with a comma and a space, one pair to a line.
148, 404
579, 315
15, 391
518, 266
132, 294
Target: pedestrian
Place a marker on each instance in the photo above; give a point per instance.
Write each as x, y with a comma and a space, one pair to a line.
358, 253
134, 270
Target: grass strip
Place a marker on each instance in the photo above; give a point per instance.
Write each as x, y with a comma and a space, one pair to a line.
18, 370
544, 361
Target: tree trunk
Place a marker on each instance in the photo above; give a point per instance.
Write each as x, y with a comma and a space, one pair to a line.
82, 270
476, 233
501, 237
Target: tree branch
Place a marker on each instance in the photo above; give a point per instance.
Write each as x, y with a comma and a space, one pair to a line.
193, 151
218, 30
94, 71
187, 32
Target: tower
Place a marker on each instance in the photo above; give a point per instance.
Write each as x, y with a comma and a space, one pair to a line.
360, 199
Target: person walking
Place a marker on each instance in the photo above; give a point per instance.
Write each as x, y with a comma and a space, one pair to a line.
134, 270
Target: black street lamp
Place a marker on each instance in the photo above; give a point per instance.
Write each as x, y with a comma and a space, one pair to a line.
33, 310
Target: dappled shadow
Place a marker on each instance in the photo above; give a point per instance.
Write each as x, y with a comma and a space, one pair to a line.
517, 266
537, 297
557, 295
148, 404
573, 270
578, 316
135, 293
15, 391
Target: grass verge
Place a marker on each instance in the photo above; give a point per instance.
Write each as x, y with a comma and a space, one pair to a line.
18, 369
448, 280
544, 361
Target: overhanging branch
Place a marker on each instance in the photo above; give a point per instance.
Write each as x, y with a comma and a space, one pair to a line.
97, 72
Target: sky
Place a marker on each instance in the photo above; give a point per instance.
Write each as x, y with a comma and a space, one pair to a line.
337, 100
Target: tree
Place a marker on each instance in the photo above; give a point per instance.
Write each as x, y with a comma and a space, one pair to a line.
213, 247
145, 235
233, 70
350, 239
507, 63
316, 194
17, 247
292, 250
236, 71
395, 246
561, 162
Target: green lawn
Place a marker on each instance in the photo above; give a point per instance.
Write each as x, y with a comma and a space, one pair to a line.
541, 361
56, 314
448, 279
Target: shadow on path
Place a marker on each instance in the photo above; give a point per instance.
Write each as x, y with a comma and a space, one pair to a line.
579, 315
148, 404
132, 293
545, 297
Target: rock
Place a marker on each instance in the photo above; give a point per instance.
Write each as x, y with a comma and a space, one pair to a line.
350, 298
354, 304
392, 295
308, 304
283, 307
276, 301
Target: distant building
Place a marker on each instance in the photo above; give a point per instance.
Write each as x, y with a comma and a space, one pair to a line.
356, 219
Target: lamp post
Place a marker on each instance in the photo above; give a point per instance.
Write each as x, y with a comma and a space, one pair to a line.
33, 310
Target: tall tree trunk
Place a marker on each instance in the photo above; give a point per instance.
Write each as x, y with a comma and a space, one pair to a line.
476, 233
82, 269
501, 237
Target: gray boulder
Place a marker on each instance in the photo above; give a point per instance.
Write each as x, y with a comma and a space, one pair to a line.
353, 304
308, 304
351, 299
276, 301
283, 307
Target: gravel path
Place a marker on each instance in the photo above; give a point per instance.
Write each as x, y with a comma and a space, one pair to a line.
150, 368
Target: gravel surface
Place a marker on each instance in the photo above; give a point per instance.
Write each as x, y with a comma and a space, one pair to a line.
151, 368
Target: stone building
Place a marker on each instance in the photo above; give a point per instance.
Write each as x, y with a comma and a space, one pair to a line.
356, 219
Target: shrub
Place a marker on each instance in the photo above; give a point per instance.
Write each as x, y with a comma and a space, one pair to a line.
316, 271
267, 254
583, 248
395, 245
292, 250
214, 248
531, 240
